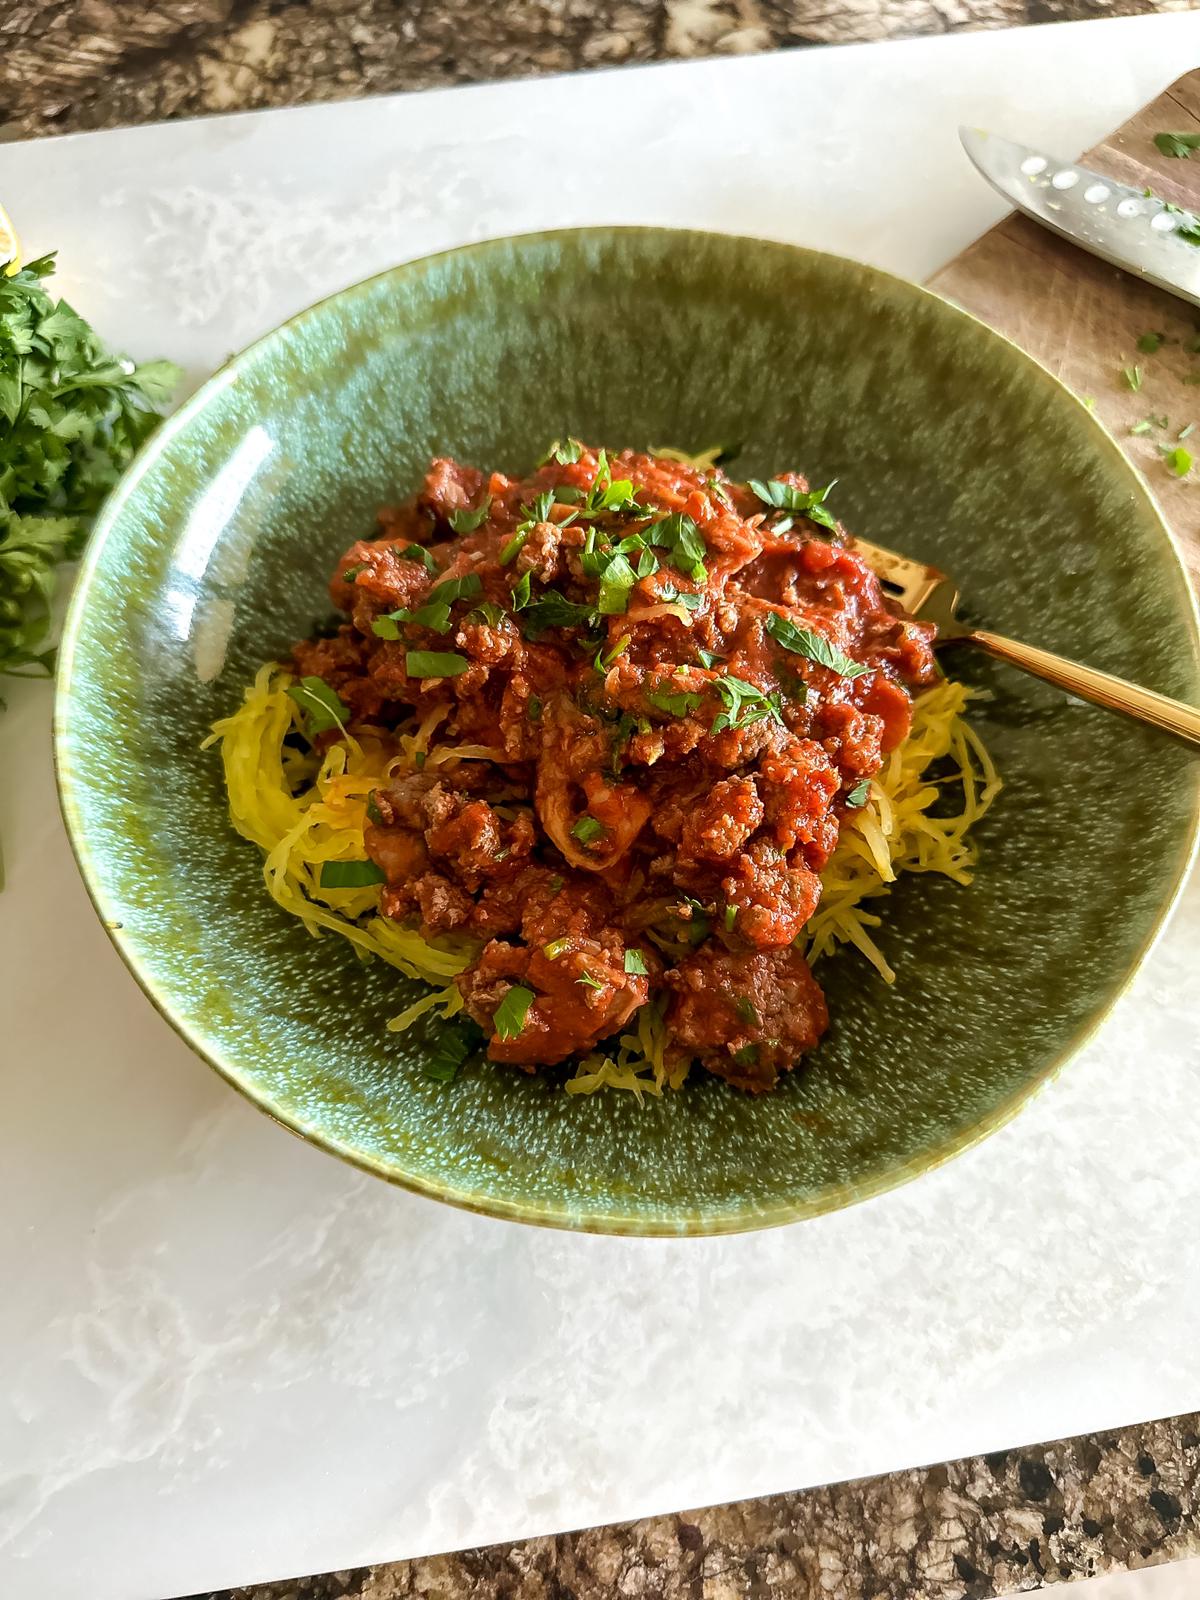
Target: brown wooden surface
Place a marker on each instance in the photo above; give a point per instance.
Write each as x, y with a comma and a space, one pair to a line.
1082, 318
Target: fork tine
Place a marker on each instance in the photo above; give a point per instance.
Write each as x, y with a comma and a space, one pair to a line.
913, 581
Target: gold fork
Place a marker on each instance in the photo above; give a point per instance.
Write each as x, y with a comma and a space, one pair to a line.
932, 596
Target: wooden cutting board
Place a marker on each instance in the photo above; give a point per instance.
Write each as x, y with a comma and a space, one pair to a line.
1082, 318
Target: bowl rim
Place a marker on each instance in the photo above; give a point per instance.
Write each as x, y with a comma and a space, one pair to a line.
590, 1218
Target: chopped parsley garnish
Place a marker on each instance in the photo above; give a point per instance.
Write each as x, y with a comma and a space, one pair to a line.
746, 1011
349, 575
1184, 432
322, 706
521, 592
434, 617
647, 563
675, 705
373, 812
1188, 227
858, 795
450, 1049
813, 647
488, 612
616, 581
668, 594
730, 918
587, 830
708, 658
719, 491
556, 948
417, 552
512, 549
1148, 343
1179, 460
466, 521
349, 874
556, 884
746, 1056
607, 494
588, 981
604, 658
744, 703
1179, 145
510, 1015
452, 589
785, 497
679, 535
1131, 377
534, 708
635, 962
435, 664
554, 610
565, 452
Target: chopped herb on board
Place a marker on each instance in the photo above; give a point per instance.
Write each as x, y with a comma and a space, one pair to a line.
1179, 145
1179, 460
1131, 377
1149, 343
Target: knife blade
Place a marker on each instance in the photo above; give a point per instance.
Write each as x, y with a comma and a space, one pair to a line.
1144, 235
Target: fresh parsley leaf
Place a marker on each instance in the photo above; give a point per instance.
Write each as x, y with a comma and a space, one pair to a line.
521, 591
417, 552
1142, 427
744, 703
785, 497
451, 1048
813, 647
512, 549
730, 918
350, 573
587, 830
465, 521
1185, 432
71, 417
746, 1056
746, 1010
1149, 343
719, 492
1131, 377
452, 589
489, 612
373, 812
554, 610
565, 452
1179, 461
535, 708
509, 1018
349, 874
1179, 145
708, 658
435, 664
635, 962
858, 795
675, 705
670, 595
679, 535
1188, 226
322, 707
435, 617
616, 581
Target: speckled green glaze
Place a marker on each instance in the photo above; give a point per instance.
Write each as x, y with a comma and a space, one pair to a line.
948, 443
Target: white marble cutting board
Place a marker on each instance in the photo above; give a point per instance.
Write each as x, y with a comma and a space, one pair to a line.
227, 1357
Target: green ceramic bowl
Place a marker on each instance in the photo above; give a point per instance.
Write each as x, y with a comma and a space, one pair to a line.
949, 443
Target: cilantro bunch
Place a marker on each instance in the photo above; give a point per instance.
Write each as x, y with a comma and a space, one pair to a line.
71, 417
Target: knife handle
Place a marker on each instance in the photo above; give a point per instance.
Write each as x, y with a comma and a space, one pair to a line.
1114, 694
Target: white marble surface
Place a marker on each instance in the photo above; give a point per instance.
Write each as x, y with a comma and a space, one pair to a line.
227, 1357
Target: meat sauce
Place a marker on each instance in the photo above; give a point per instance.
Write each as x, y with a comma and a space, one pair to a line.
677, 683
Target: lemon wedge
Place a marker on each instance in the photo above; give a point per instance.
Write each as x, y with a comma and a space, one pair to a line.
10, 246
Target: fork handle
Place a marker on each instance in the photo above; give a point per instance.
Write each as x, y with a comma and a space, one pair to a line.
1114, 694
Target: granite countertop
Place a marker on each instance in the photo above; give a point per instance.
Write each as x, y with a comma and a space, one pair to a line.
983, 1526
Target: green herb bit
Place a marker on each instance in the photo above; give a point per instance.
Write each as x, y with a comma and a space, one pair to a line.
635, 963
858, 794
708, 658
349, 575
534, 708
465, 521
1131, 377
435, 617
1179, 145
813, 647
452, 589
488, 612
565, 452
746, 1010
1148, 343
556, 948
1142, 427
1184, 432
349, 874
587, 830
588, 981
746, 1056
1179, 461
556, 884
617, 580
450, 1050
554, 610
679, 535
521, 592
417, 552
435, 664
322, 706
670, 595
730, 918
786, 497
675, 705
373, 812
510, 551
509, 1019
719, 492
744, 703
